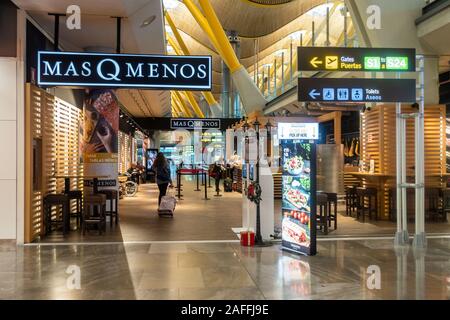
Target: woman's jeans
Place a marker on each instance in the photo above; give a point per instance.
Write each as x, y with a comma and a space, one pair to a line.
162, 191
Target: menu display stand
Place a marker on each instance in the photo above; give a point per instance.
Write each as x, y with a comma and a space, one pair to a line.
299, 224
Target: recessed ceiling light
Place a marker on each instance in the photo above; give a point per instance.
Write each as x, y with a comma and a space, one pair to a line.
320, 10
170, 4
297, 34
280, 52
170, 48
148, 21
168, 29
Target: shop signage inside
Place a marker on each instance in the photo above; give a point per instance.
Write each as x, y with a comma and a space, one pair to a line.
356, 90
356, 59
80, 69
203, 124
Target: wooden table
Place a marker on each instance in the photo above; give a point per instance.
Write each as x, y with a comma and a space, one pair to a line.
377, 180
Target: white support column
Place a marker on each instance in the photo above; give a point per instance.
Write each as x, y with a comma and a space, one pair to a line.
404, 190
398, 134
401, 236
419, 236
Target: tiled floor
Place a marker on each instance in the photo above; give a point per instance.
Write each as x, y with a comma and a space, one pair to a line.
198, 219
224, 271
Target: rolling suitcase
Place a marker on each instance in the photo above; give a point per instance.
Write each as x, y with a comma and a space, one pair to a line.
167, 206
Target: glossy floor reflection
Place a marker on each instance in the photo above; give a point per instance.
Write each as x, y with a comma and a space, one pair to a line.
225, 271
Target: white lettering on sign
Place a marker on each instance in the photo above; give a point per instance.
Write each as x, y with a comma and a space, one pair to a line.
347, 59
86, 66
373, 95
71, 69
137, 72
123, 70
111, 76
172, 71
192, 124
56, 71
153, 73
202, 71
188, 75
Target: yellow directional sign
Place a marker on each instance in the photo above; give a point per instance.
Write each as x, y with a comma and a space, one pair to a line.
356, 59
331, 62
315, 62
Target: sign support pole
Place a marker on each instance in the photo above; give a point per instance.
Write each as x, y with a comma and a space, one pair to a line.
399, 236
419, 236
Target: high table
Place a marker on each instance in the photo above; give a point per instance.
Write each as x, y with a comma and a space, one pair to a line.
67, 185
379, 180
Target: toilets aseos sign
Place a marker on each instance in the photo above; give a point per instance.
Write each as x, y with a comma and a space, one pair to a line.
81, 69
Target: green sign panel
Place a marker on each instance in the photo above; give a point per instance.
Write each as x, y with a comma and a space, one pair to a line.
356, 59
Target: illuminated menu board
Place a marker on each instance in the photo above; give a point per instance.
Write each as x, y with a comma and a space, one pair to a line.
356, 59
298, 188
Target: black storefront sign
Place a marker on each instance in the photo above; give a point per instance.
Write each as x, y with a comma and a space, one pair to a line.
356, 59
356, 90
204, 124
80, 69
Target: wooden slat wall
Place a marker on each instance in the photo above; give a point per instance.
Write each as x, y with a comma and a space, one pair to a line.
55, 124
434, 140
379, 125
67, 122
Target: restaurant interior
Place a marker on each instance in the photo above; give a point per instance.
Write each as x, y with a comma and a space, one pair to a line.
357, 175
356, 150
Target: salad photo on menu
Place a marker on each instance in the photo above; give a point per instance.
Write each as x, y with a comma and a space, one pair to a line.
296, 193
295, 161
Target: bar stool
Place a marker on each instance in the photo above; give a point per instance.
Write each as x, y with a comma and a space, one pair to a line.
113, 212
93, 216
57, 200
445, 204
350, 200
369, 194
322, 217
78, 197
434, 210
332, 216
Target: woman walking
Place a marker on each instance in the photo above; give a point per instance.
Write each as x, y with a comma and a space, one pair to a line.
162, 173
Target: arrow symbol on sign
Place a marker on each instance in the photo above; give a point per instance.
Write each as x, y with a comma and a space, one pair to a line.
315, 62
313, 94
